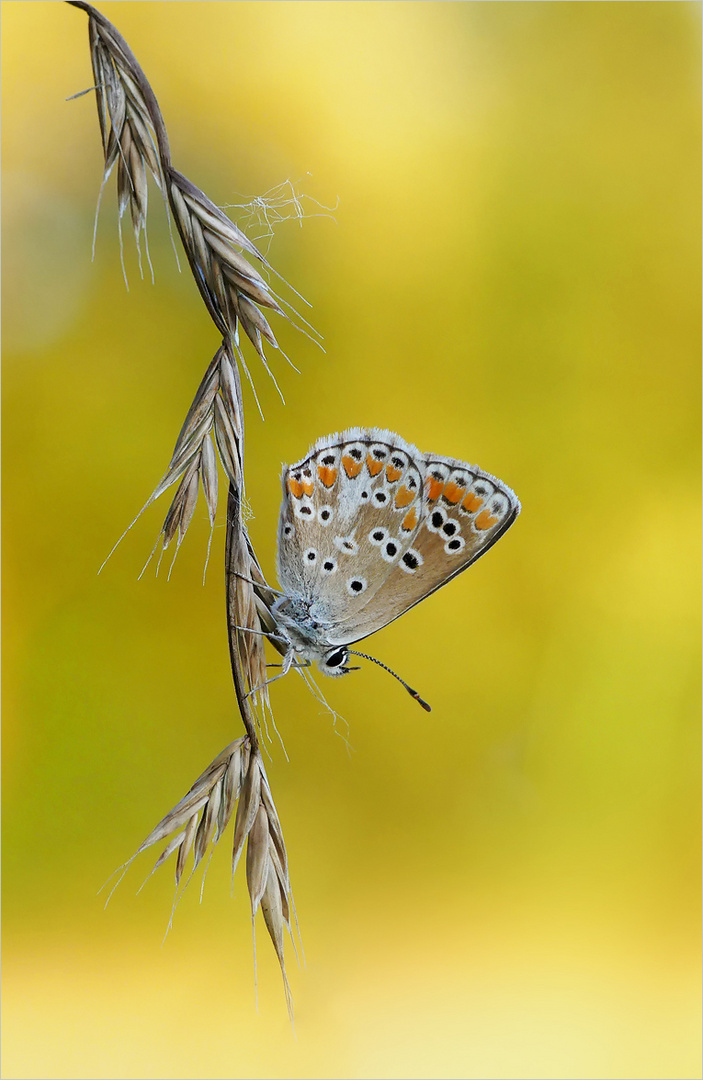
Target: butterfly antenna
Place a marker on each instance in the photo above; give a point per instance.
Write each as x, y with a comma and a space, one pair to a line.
413, 693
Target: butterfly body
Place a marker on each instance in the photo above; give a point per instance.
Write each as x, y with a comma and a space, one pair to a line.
369, 526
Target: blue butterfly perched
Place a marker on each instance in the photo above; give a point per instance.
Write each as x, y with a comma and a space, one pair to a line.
369, 527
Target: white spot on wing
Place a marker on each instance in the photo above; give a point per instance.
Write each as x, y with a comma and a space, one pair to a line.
346, 544
455, 545
411, 561
390, 550
356, 586
378, 535
304, 510
435, 519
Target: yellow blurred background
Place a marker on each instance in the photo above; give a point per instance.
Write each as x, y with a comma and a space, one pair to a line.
510, 886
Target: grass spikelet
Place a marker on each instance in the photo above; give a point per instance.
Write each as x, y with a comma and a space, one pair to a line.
126, 110
236, 778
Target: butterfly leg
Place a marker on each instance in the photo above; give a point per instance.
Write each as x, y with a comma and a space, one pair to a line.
287, 661
257, 584
263, 633
255, 689
277, 677
304, 664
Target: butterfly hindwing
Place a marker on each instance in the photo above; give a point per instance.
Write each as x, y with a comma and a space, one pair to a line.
464, 512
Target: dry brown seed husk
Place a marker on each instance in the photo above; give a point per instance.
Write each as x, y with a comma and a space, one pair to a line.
259, 320
246, 288
232, 393
257, 858
227, 443
173, 820
208, 471
208, 824
168, 850
273, 913
185, 847
231, 783
201, 406
246, 809
189, 502
173, 518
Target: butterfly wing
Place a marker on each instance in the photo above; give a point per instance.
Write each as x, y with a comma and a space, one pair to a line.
369, 526
464, 512
351, 508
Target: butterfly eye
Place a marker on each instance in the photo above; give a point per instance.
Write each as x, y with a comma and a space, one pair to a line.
336, 658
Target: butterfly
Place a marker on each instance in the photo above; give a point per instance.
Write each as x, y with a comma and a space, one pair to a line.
369, 527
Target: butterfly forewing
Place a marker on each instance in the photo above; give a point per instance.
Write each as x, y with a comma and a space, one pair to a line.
351, 510
370, 526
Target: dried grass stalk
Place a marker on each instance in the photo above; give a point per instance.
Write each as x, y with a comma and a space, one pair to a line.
134, 137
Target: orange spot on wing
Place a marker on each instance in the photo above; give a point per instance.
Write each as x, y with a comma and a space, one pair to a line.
327, 475
352, 468
409, 521
472, 502
404, 496
393, 474
434, 488
453, 493
295, 487
373, 466
485, 520
308, 487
